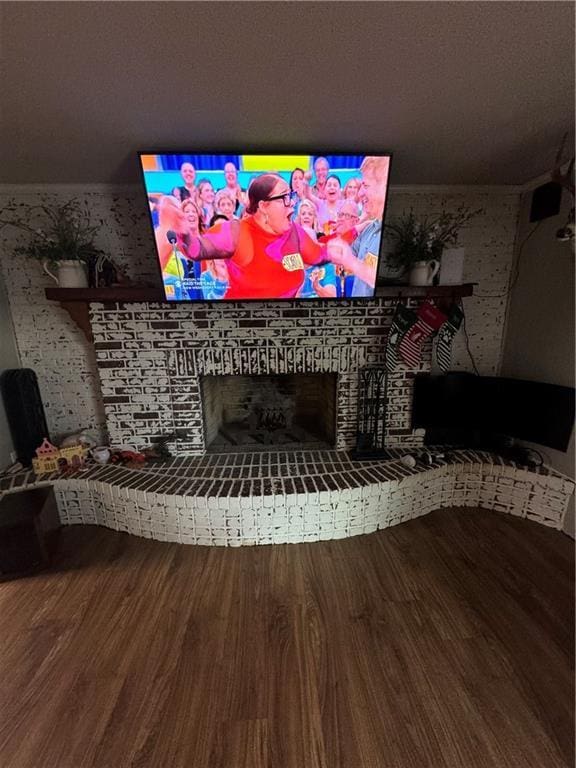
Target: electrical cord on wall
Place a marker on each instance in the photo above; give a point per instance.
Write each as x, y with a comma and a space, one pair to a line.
467, 340
514, 280
497, 295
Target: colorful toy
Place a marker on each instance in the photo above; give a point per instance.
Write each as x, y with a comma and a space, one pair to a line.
52, 459
130, 458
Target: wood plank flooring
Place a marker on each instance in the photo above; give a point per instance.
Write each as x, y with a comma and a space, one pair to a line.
446, 641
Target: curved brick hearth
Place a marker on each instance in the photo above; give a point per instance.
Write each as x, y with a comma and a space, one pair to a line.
279, 497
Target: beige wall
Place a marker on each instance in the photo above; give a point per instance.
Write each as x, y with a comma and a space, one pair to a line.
539, 339
8, 359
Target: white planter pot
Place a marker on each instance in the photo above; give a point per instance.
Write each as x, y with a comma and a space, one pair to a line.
452, 267
423, 272
69, 274
391, 274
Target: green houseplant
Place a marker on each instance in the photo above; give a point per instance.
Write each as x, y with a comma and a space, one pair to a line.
64, 242
416, 245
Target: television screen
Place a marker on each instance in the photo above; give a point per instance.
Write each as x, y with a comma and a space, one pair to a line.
258, 227
478, 411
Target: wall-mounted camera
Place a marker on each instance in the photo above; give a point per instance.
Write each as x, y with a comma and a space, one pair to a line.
566, 233
560, 180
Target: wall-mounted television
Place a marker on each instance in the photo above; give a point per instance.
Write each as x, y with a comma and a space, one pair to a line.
483, 412
242, 227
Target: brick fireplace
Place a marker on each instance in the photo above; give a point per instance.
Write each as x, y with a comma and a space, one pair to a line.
156, 364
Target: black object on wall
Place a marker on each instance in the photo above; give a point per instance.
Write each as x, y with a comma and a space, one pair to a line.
485, 412
546, 201
24, 411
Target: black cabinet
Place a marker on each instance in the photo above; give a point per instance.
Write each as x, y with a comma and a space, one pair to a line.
28, 524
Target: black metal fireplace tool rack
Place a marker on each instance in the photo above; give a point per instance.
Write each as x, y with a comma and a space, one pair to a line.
372, 410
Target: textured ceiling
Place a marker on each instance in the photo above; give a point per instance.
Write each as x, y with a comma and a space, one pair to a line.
461, 92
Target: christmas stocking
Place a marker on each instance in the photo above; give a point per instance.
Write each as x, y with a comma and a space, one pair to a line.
446, 337
404, 319
429, 320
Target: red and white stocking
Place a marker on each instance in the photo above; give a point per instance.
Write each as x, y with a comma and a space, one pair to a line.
429, 320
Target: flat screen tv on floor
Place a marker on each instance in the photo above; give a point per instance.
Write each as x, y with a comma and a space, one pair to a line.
485, 412
241, 227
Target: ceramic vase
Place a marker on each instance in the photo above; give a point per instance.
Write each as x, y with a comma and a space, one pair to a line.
423, 272
69, 274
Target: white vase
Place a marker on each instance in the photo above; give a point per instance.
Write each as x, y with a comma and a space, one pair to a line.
69, 274
101, 455
423, 272
452, 268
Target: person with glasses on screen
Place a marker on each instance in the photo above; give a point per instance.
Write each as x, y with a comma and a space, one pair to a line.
346, 224
348, 215
267, 252
332, 281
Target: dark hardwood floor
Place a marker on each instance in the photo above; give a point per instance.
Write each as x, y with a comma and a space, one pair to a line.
446, 641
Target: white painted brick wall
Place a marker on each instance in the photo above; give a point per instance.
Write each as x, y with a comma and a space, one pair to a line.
50, 343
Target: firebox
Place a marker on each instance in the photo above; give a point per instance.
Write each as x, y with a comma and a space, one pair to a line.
258, 412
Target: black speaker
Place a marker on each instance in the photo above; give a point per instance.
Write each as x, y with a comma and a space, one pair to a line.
546, 201
24, 411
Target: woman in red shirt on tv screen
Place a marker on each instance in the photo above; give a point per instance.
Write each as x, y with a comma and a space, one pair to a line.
266, 252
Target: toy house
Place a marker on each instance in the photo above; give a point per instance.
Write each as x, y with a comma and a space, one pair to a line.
49, 458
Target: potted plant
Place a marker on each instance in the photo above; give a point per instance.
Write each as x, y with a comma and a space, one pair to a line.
64, 245
416, 246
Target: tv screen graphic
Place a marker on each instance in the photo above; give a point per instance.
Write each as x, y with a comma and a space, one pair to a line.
234, 227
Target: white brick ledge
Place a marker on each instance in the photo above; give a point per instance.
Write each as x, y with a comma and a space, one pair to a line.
276, 517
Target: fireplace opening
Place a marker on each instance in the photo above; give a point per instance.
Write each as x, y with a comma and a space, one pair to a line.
258, 412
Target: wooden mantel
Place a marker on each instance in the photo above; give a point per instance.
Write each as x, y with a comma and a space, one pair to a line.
76, 301
88, 295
